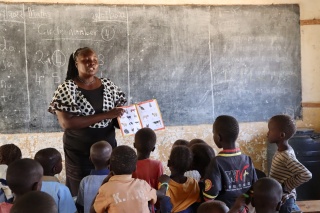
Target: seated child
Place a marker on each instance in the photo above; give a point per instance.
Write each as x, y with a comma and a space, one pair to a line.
23, 175
266, 197
51, 161
180, 142
35, 202
285, 167
147, 169
183, 191
8, 154
213, 206
120, 192
100, 153
196, 141
230, 173
202, 155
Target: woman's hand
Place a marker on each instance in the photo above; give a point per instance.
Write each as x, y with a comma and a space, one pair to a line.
115, 112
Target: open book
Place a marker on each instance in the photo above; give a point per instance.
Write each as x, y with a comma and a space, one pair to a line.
137, 116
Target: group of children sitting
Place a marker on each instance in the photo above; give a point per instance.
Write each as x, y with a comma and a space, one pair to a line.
125, 180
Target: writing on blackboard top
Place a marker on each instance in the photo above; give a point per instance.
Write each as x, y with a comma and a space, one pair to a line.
38, 14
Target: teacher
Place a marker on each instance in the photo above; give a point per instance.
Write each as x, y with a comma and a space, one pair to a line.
86, 107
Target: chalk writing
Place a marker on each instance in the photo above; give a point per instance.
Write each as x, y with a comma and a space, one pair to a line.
58, 58
6, 14
110, 14
107, 33
4, 47
38, 14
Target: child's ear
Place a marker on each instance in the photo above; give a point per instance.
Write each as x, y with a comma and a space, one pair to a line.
282, 134
36, 186
153, 149
168, 164
279, 206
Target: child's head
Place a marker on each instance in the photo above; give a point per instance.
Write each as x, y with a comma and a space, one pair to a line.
180, 159
281, 128
196, 141
24, 175
202, 155
51, 161
145, 141
35, 201
180, 142
9, 153
225, 130
100, 153
267, 194
213, 206
123, 160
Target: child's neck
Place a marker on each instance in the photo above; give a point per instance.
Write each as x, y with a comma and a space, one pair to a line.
283, 146
229, 146
178, 177
142, 156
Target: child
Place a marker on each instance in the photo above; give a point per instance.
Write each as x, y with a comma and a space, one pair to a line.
180, 142
35, 202
100, 153
51, 161
196, 141
183, 191
202, 155
147, 169
285, 168
121, 192
230, 173
8, 154
266, 197
23, 176
213, 206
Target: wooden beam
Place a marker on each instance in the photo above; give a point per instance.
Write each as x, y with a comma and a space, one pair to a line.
310, 22
311, 105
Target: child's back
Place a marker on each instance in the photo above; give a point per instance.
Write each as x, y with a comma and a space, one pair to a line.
285, 168
183, 191
230, 173
121, 192
100, 153
147, 169
51, 161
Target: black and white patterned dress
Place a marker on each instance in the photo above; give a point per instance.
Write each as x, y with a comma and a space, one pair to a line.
77, 142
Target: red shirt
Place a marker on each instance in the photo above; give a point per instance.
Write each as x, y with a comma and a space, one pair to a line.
5, 207
149, 170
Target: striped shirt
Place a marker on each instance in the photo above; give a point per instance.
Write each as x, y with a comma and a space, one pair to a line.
289, 172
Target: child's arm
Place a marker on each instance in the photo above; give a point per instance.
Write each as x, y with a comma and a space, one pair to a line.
212, 181
300, 174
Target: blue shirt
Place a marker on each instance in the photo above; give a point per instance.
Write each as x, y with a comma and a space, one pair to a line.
89, 187
61, 195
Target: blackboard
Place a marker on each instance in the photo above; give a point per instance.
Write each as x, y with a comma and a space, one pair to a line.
197, 61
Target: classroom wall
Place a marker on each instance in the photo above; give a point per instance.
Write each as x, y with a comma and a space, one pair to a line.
252, 138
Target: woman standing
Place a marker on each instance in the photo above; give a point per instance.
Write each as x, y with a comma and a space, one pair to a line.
85, 106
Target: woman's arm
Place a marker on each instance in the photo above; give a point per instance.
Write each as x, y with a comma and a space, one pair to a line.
71, 121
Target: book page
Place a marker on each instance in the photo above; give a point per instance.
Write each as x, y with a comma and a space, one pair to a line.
150, 115
129, 122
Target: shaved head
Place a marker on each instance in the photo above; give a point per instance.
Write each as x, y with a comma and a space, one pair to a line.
100, 153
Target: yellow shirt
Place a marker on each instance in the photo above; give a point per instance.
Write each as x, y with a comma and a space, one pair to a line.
183, 195
122, 193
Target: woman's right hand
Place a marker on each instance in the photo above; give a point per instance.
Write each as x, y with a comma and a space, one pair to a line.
115, 112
